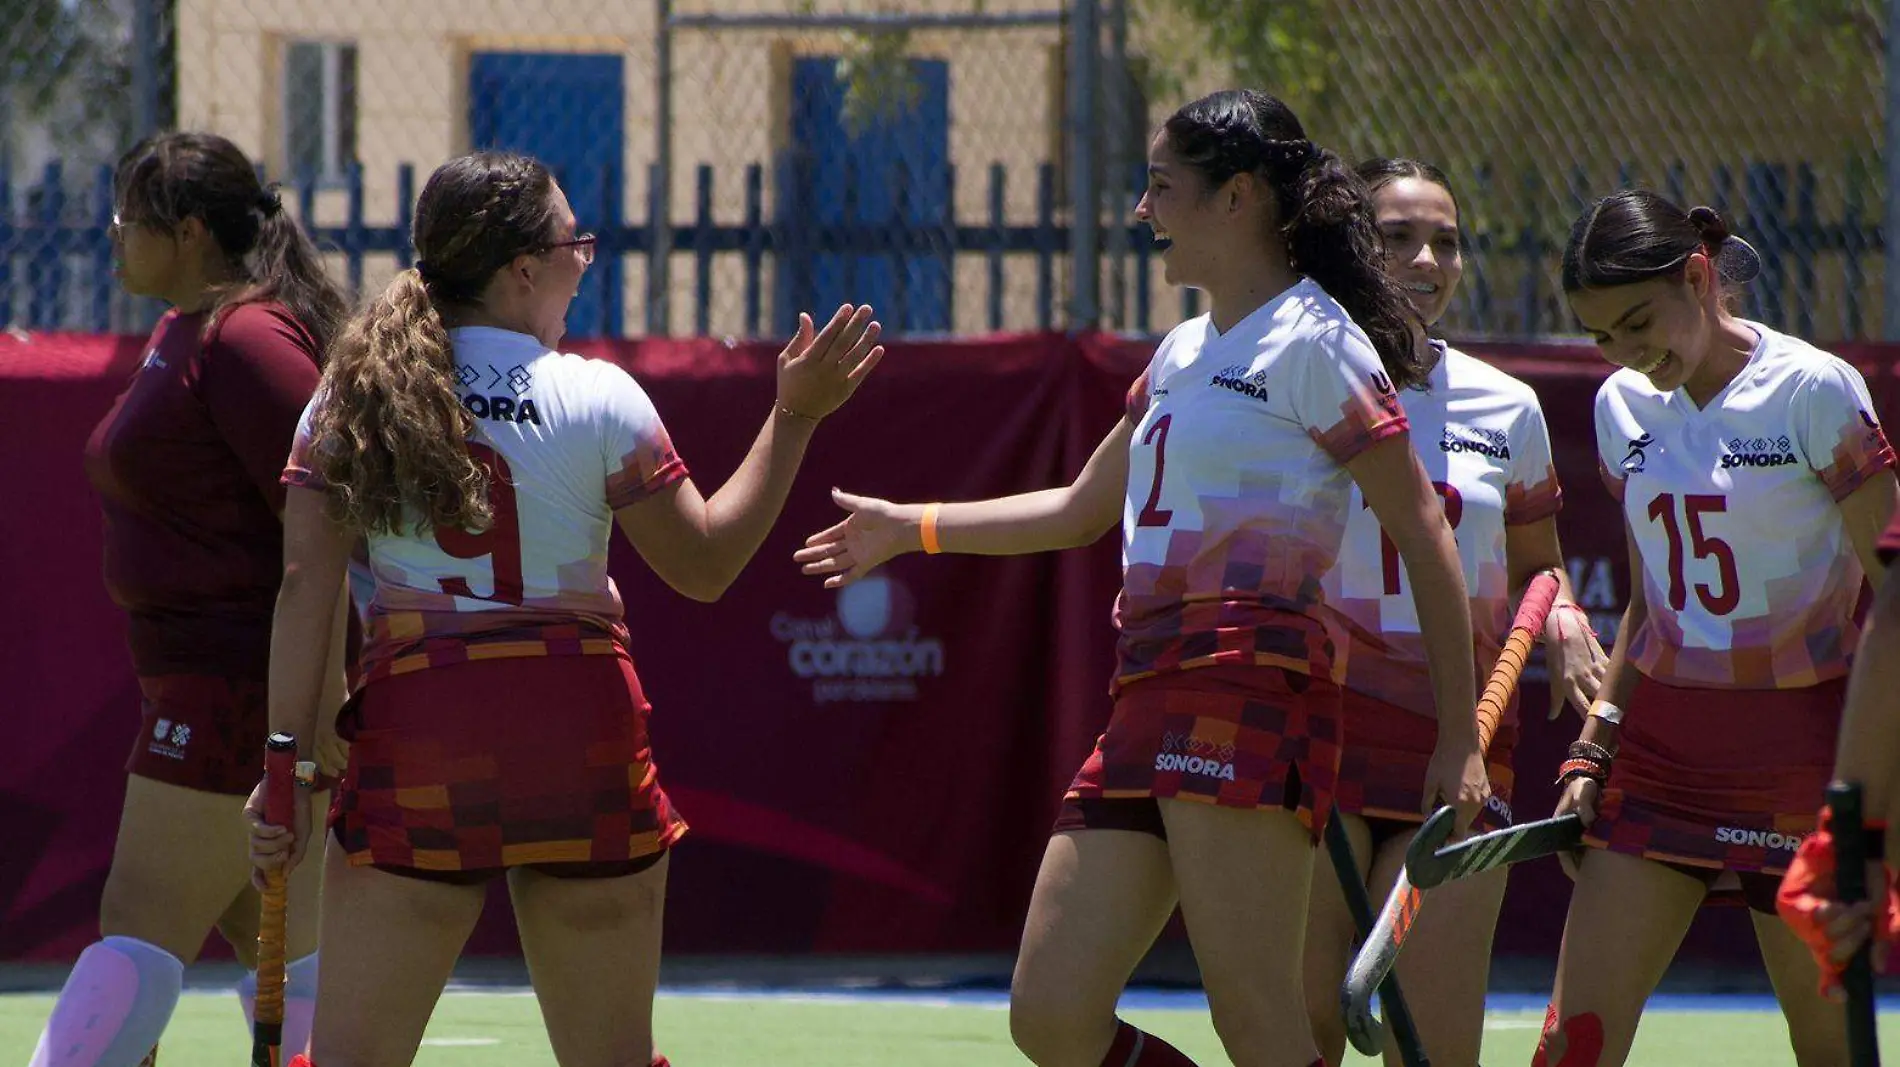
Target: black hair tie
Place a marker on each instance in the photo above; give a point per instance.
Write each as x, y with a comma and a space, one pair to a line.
1290, 157
269, 204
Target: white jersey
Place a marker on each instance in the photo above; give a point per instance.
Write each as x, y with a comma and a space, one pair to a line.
1482, 439
1236, 495
566, 441
1747, 568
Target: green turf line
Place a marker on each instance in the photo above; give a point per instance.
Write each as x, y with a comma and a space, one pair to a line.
473, 1029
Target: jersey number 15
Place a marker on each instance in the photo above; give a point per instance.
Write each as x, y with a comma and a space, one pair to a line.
1721, 598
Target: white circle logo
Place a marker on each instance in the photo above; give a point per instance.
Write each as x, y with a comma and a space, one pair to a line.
864, 607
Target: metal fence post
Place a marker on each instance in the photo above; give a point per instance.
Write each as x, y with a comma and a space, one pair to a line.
1118, 122
145, 67
1890, 219
660, 220
1085, 208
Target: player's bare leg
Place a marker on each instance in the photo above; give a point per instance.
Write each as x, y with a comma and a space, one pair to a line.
181, 859
1817, 1027
1446, 966
1243, 876
1101, 899
1627, 918
1329, 939
593, 952
389, 945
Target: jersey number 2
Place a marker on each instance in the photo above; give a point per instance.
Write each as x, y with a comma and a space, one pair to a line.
1721, 599
1151, 513
501, 542
1389, 552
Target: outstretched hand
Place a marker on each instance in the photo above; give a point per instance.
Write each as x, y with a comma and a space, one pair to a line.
818, 372
874, 531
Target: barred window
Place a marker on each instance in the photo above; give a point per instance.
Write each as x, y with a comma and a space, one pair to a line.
319, 109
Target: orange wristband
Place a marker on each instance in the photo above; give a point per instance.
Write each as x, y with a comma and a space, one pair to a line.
928, 529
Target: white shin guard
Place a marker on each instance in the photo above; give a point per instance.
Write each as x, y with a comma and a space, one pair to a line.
114, 1006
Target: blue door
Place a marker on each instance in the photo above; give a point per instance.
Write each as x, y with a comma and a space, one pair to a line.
565, 110
884, 174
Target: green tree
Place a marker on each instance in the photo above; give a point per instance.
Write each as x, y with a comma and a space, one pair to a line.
57, 55
1843, 42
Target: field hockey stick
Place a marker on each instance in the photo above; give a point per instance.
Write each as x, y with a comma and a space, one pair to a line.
1372, 965
1397, 1015
280, 803
1850, 880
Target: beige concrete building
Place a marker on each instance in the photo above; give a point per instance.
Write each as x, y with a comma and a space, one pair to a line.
385, 82
1546, 97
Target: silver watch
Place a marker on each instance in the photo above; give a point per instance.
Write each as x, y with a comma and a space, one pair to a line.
1608, 712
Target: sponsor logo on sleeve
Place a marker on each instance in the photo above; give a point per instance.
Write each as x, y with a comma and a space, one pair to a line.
1635, 459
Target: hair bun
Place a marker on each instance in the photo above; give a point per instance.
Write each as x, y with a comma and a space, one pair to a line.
1708, 222
1735, 259
1290, 156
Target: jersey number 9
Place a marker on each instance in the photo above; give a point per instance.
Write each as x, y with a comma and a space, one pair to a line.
501, 542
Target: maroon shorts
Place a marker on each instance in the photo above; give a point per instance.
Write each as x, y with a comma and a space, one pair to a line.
497, 763
1235, 736
202, 731
1719, 779
1382, 770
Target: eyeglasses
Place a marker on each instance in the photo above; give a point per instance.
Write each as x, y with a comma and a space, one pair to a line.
583, 245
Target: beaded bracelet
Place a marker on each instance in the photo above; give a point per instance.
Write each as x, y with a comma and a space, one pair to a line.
1590, 750
1583, 768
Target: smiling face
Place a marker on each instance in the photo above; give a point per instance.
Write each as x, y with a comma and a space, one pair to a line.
1660, 328
1200, 227
1423, 248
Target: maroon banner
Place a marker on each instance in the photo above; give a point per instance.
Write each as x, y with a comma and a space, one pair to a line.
872, 770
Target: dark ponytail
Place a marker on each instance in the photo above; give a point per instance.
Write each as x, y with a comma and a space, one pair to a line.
168, 178
284, 265
1325, 210
1634, 236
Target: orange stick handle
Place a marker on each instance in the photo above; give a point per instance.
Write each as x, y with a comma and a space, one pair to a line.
1525, 629
280, 807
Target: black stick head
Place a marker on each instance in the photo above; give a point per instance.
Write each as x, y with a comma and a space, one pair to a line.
1422, 864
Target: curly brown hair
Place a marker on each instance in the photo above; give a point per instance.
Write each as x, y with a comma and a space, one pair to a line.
391, 432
